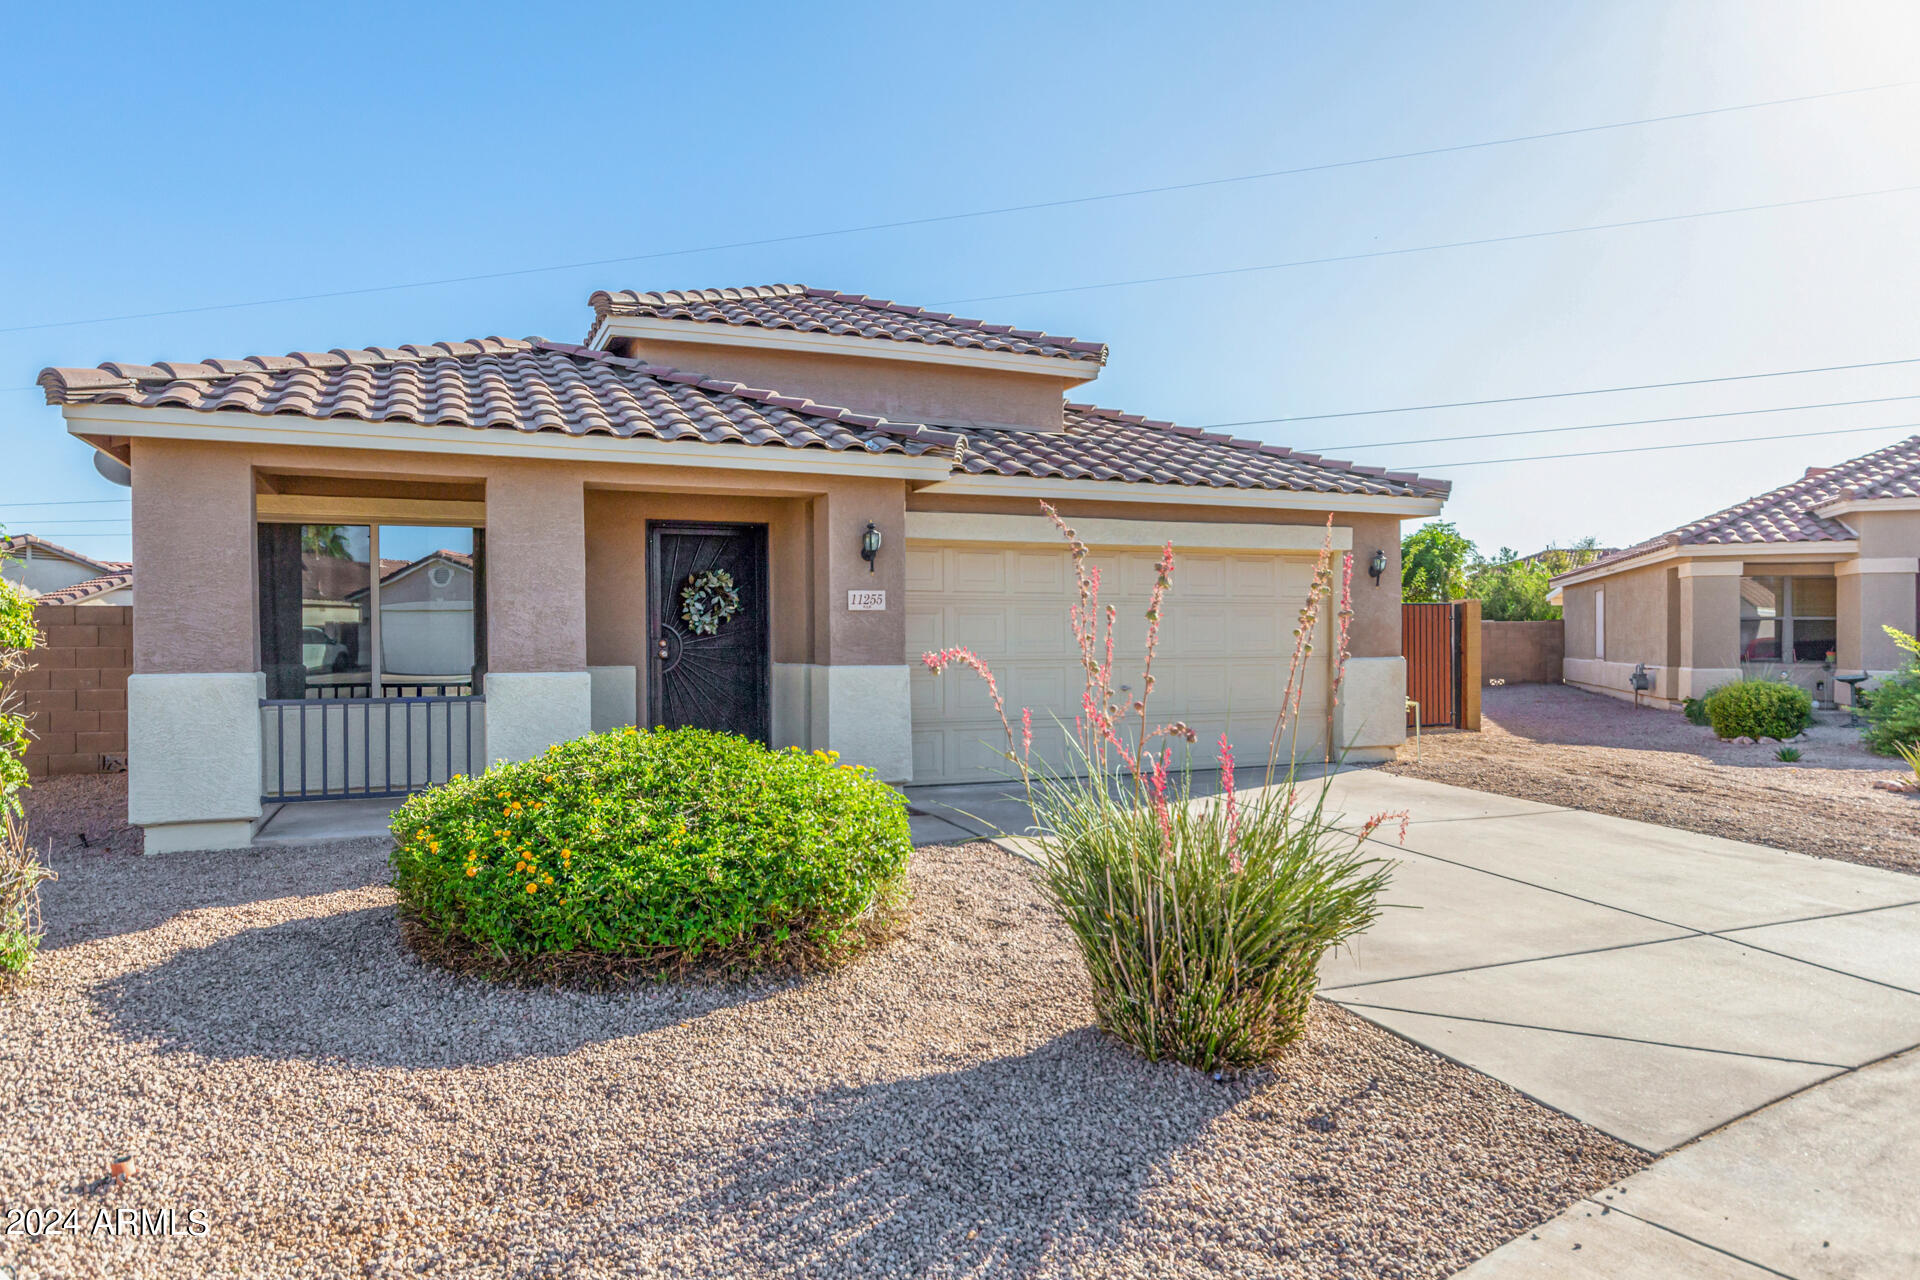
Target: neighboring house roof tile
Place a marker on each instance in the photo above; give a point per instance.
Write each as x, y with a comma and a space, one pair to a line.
1105, 444
92, 588
13, 544
526, 385
1790, 513
805, 310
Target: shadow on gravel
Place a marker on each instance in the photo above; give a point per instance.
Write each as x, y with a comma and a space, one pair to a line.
102, 895
987, 1170
340, 988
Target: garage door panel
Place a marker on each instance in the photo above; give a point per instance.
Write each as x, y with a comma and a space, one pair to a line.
1041, 573
926, 570
979, 627
1225, 641
983, 571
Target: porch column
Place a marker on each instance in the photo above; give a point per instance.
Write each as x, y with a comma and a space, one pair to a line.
858, 700
193, 701
537, 686
1872, 594
1709, 625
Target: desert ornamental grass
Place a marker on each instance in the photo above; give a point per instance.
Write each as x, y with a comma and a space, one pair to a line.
1201, 924
652, 853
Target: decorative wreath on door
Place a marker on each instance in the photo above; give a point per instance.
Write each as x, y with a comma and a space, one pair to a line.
708, 601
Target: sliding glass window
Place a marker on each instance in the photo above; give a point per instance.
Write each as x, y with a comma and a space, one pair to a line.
331, 628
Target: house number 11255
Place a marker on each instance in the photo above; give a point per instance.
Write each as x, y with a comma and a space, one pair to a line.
866, 601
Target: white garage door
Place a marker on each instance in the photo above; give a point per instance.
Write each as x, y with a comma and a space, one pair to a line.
1226, 637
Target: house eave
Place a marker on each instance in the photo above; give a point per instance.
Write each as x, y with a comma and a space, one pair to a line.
1184, 495
1065, 370
1851, 506
1833, 550
99, 423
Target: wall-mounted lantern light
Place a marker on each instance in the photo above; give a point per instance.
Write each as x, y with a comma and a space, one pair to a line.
1377, 566
870, 545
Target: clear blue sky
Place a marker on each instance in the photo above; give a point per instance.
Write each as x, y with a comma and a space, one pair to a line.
197, 156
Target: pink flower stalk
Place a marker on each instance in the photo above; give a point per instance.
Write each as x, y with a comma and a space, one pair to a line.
1026, 732
1233, 805
1372, 824
1342, 649
1161, 809
938, 662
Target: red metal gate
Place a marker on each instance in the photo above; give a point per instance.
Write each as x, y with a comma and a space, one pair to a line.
1430, 642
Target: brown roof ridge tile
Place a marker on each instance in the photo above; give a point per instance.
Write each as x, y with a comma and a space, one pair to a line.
76, 592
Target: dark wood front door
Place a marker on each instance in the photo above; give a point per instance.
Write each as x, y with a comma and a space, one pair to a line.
711, 671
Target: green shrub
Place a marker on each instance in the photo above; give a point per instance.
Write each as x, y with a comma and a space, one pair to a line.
1201, 924
1759, 709
1695, 709
630, 851
1787, 755
21, 872
1893, 711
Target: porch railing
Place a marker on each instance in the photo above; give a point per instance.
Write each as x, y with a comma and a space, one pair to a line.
392, 689
336, 748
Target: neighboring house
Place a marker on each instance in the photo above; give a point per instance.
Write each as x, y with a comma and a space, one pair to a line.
426, 628
868, 473
1775, 583
59, 575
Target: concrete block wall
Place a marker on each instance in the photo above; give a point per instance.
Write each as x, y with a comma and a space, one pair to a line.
1522, 652
75, 693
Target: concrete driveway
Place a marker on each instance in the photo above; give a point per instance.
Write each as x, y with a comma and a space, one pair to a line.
1658, 985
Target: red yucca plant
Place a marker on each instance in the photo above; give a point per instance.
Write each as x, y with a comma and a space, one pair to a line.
1201, 922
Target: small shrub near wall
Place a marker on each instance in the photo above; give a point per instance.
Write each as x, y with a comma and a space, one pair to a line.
1893, 708
1759, 709
630, 852
21, 873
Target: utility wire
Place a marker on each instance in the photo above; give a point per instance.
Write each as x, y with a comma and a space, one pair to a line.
1562, 395
73, 502
999, 211
1428, 248
1601, 426
1659, 448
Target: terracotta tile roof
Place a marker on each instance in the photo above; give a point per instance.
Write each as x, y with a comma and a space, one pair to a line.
525, 385
88, 590
795, 306
14, 544
533, 385
1105, 444
1788, 514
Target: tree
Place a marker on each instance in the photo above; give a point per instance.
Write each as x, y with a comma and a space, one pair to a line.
1433, 563
1514, 589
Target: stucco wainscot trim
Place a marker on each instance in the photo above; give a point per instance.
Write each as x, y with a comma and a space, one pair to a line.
529, 711
964, 526
193, 759
863, 712
1371, 718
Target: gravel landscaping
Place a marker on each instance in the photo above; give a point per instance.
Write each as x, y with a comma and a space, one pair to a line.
248, 1026
1564, 746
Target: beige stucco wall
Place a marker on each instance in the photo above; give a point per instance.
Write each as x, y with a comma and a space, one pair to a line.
536, 568
902, 390
1376, 609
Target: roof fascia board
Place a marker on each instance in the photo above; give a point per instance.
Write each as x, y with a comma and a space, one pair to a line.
1068, 371
229, 427
976, 526
1828, 550
1181, 494
1851, 506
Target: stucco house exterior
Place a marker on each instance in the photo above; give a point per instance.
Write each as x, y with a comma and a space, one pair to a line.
54, 574
749, 509
1776, 583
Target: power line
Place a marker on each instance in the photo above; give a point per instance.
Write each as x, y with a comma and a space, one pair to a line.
1599, 426
1428, 248
999, 211
1660, 448
71, 502
1562, 395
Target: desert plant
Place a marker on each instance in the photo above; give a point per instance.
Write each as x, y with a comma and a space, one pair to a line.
1695, 709
1201, 923
1759, 709
1787, 755
631, 852
21, 872
1910, 754
1893, 708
